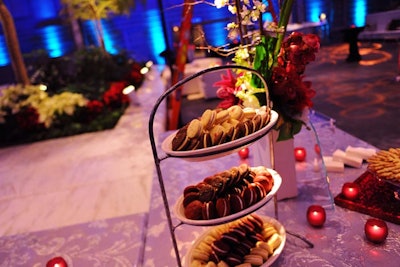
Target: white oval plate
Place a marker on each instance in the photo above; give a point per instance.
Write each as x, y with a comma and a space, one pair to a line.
281, 230
180, 211
219, 150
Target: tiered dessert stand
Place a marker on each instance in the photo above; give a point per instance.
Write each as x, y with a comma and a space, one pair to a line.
207, 153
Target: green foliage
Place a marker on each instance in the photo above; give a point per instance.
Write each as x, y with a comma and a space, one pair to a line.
65, 126
87, 71
264, 60
97, 9
93, 66
288, 127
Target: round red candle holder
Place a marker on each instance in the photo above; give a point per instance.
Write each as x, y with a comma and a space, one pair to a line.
316, 215
244, 153
350, 190
317, 149
300, 154
57, 262
376, 230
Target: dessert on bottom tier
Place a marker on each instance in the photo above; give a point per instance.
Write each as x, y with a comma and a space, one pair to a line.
249, 241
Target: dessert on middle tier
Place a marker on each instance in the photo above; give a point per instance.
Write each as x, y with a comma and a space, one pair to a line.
227, 192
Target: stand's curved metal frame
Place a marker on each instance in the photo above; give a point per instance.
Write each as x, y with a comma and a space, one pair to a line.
157, 159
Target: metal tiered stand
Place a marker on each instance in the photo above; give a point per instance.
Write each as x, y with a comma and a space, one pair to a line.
205, 154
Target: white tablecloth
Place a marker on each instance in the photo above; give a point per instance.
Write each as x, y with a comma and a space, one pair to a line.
339, 243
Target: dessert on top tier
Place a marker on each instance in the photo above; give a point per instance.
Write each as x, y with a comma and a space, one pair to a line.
217, 126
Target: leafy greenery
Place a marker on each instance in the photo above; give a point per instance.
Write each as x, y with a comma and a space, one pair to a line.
65, 126
96, 10
87, 71
84, 94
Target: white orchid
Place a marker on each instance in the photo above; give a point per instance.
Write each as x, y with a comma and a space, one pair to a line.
221, 3
232, 9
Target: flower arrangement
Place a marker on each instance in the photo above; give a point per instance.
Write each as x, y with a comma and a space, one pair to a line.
281, 61
38, 112
114, 96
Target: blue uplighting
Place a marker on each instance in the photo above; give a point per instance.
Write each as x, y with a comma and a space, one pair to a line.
267, 17
359, 13
157, 41
52, 40
3, 52
108, 39
216, 33
91, 38
315, 11
44, 9
220, 34
90, 33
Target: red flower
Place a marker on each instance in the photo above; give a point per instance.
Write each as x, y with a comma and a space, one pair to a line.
94, 108
28, 119
135, 77
289, 92
227, 90
114, 97
298, 50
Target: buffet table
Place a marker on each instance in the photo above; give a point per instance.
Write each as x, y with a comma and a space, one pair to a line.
108, 212
340, 242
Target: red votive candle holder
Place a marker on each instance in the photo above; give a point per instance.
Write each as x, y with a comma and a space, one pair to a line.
350, 190
57, 262
300, 153
376, 230
317, 149
244, 153
316, 215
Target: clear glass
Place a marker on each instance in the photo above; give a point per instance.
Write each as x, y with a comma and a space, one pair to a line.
311, 173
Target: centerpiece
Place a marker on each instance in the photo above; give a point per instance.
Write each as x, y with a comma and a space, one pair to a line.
281, 59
